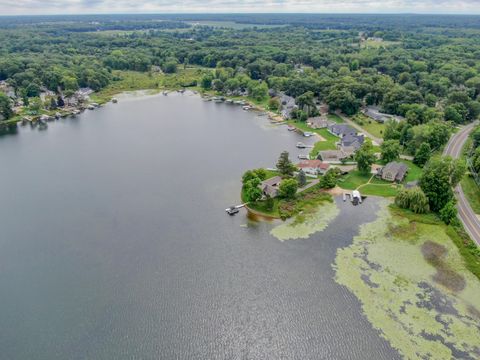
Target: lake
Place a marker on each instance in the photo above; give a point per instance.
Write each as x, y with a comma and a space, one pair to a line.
115, 243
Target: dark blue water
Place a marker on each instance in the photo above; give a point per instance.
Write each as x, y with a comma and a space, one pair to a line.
114, 243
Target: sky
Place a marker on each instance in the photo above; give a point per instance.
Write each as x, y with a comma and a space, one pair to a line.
32, 7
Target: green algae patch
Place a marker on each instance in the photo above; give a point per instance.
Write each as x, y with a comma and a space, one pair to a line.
307, 223
414, 286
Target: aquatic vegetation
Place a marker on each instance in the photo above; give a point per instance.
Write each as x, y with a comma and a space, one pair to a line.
305, 224
414, 286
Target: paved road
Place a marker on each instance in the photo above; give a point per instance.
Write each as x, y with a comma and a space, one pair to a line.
465, 213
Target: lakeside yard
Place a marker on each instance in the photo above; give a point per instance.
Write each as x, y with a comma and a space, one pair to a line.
368, 184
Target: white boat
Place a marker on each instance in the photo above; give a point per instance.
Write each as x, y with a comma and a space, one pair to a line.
232, 210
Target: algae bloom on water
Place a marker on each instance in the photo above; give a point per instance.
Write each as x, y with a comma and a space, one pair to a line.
414, 287
304, 225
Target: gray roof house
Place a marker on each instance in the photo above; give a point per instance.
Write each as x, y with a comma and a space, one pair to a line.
270, 186
393, 171
319, 122
287, 104
341, 130
334, 156
354, 141
374, 113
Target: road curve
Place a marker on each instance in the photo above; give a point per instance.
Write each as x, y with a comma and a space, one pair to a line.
465, 213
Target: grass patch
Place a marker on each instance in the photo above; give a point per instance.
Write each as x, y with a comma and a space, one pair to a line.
336, 118
385, 190
353, 180
472, 192
371, 126
134, 80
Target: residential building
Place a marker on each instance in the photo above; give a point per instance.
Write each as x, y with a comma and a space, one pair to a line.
334, 156
270, 186
287, 104
393, 171
353, 141
341, 130
319, 122
313, 167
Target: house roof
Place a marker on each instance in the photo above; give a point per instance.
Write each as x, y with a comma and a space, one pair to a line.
353, 140
397, 169
272, 181
317, 164
342, 129
332, 155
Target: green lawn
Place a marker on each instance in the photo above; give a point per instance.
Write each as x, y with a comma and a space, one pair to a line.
472, 193
414, 172
336, 118
386, 190
353, 180
371, 126
134, 80
330, 139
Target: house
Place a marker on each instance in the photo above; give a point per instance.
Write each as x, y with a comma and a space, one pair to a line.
287, 104
334, 156
7, 89
393, 171
374, 113
341, 130
353, 141
313, 167
319, 122
270, 186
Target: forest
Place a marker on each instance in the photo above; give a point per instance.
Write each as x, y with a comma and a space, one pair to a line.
424, 68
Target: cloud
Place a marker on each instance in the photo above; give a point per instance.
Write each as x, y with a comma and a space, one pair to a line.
26, 7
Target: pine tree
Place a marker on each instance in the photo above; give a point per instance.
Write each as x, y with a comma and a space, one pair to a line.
284, 165
301, 178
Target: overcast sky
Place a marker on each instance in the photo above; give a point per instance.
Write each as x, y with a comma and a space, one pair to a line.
27, 7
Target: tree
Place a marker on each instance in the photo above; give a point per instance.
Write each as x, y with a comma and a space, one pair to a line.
5, 106
422, 154
284, 165
170, 66
448, 213
206, 81
35, 105
390, 150
288, 188
252, 190
301, 178
439, 175
365, 157
260, 174
329, 180
413, 199
273, 104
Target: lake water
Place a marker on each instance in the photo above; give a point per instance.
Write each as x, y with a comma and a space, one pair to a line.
115, 244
